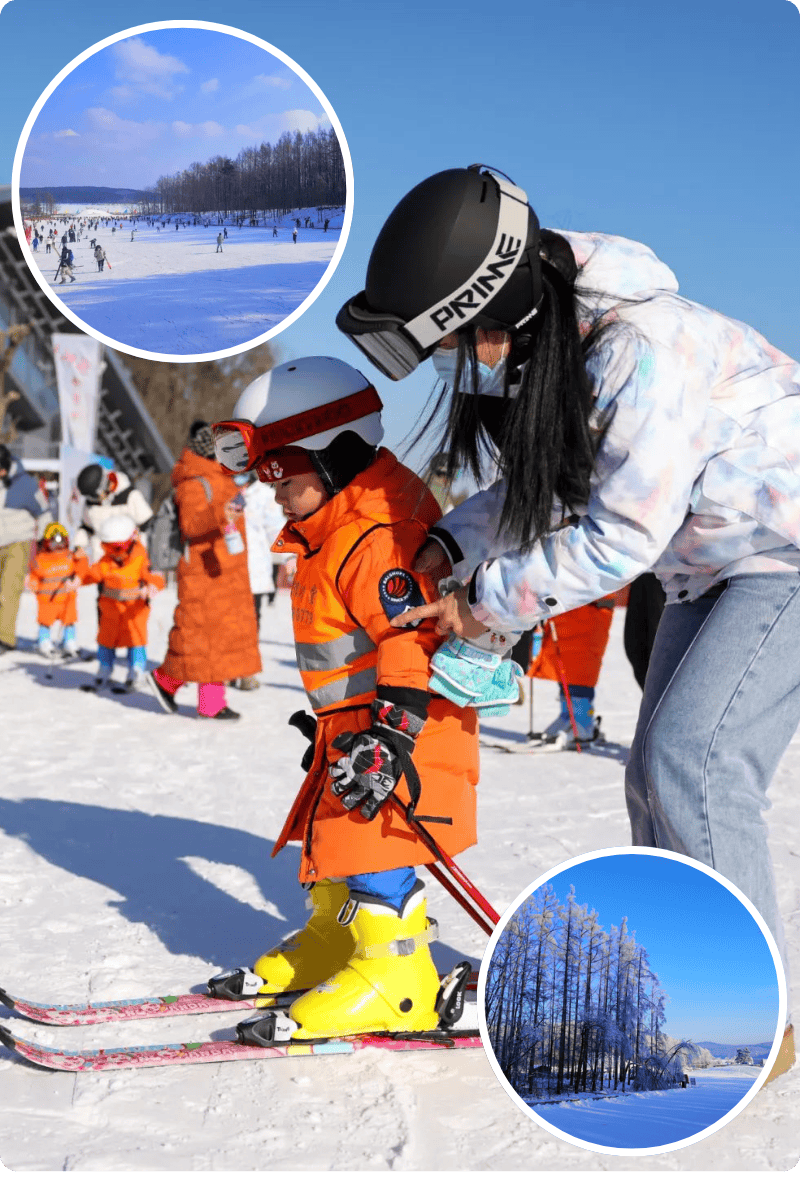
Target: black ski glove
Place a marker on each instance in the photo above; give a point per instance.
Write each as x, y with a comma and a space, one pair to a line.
373, 764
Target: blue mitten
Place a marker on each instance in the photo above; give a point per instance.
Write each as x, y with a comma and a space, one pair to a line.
503, 692
461, 672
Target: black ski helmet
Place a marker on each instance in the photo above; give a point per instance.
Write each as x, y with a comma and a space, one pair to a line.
90, 480
461, 248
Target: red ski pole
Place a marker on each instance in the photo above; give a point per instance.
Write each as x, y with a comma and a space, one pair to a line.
563, 676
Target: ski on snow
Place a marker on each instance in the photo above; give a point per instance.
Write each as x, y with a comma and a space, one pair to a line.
268, 1035
219, 1050
82, 1014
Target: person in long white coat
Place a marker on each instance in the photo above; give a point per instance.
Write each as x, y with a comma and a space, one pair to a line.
263, 521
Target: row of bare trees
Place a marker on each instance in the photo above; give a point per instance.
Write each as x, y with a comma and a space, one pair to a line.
300, 171
572, 1008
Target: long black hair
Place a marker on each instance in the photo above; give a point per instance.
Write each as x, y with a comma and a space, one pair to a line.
542, 438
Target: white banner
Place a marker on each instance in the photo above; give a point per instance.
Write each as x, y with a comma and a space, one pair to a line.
79, 366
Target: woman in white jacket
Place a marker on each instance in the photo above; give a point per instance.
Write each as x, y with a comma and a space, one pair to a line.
634, 430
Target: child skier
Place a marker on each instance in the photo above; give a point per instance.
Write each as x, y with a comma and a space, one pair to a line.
54, 577
126, 586
355, 519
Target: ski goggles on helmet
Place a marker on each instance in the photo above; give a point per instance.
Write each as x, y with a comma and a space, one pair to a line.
119, 548
239, 445
397, 346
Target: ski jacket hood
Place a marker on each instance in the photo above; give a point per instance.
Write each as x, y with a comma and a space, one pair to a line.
618, 268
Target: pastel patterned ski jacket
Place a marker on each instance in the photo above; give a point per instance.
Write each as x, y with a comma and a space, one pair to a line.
697, 476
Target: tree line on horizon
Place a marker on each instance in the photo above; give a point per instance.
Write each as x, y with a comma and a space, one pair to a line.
573, 1008
301, 170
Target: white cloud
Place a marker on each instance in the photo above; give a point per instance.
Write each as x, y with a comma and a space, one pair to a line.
210, 86
209, 129
66, 132
270, 128
108, 132
142, 67
269, 81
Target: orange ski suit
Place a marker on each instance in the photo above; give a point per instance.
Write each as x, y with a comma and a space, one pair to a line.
124, 608
582, 640
354, 556
49, 573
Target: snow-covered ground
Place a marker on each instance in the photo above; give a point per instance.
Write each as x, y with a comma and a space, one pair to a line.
652, 1119
170, 291
135, 859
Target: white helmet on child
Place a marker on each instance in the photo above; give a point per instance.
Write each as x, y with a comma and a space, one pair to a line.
117, 528
305, 403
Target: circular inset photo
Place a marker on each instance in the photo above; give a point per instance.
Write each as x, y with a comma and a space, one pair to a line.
182, 190
632, 1001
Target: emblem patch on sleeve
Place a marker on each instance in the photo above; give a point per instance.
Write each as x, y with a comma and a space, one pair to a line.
398, 590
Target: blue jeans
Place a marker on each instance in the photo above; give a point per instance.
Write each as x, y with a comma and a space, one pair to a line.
721, 703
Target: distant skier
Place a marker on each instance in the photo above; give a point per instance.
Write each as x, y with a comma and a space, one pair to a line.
65, 266
327, 224
219, 244
133, 232
100, 256
274, 231
225, 231
294, 235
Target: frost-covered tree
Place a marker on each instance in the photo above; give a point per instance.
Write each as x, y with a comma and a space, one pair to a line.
743, 1056
572, 1008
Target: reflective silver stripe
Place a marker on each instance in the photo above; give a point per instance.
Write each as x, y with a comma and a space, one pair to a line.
332, 655
343, 688
121, 593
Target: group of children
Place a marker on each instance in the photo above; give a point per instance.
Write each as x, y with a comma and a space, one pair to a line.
125, 587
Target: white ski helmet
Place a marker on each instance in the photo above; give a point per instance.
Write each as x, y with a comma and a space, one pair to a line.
302, 404
117, 528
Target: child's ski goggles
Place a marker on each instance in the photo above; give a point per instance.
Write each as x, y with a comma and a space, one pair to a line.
239, 445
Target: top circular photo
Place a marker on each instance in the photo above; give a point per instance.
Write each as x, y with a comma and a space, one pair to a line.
182, 191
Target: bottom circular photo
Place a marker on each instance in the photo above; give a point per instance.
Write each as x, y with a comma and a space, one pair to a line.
632, 1001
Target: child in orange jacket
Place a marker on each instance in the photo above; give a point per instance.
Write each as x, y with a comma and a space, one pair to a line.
355, 519
126, 586
54, 577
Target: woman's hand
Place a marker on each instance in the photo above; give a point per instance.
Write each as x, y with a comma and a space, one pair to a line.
452, 615
431, 559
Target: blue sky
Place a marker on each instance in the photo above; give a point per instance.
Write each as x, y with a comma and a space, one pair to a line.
154, 103
674, 124
707, 951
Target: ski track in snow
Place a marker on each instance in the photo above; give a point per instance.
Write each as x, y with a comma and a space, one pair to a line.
136, 860
171, 291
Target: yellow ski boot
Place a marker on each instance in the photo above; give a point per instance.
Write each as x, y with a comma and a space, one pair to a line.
311, 955
390, 982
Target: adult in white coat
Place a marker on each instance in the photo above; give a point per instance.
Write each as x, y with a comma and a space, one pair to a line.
634, 429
